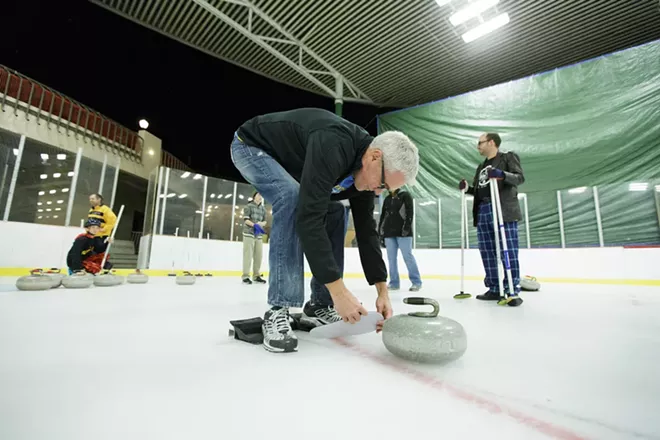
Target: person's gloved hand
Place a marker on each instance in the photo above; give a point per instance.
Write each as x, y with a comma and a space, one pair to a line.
495, 173
463, 185
259, 230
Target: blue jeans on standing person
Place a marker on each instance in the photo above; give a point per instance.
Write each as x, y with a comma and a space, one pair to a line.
393, 244
486, 238
286, 264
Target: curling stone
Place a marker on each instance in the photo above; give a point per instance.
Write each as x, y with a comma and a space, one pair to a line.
137, 277
530, 284
107, 280
35, 281
186, 279
79, 280
424, 336
55, 277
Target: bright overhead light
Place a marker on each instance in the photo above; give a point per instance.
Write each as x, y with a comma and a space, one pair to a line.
39, 203
54, 216
579, 190
183, 196
212, 195
235, 207
70, 173
143, 123
472, 9
44, 156
65, 190
15, 151
59, 202
639, 186
57, 175
199, 212
227, 196
48, 210
197, 176
240, 196
207, 215
151, 152
40, 217
49, 203
442, 2
61, 157
184, 175
41, 193
249, 199
58, 209
43, 176
52, 191
215, 207
375, 212
486, 28
40, 210
170, 195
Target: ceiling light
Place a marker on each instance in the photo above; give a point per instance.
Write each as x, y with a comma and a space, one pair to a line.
639, 186
227, 196
70, 174
151, 152
49, 203
52, 191
58, 209
61, 157
579, 190
54, 216
442, 2
43, 176
15, 151
40, 210
170, 195
39, 203
235, 207
48, 210
57, 175
213, 195
207, 215
44, 156
65, 190
59, 202
486, 28
41, 193
184, 175
249, 199
472, 9
40, 217
143, 123
197, 176
215, 207
183, 196
199, 212
240, 196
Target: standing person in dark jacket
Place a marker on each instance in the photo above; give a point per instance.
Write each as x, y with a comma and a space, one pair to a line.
396, 227
506, 168
303, 162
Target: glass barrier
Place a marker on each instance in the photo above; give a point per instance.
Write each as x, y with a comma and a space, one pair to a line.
220, 212
9, 144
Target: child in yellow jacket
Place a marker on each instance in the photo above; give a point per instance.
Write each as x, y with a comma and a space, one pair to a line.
103, 213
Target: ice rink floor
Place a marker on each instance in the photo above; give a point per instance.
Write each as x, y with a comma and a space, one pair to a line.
155, 362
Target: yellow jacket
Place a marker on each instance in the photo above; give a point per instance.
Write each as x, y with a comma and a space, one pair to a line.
107, 217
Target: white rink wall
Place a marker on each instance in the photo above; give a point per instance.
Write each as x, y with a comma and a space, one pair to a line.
26, 245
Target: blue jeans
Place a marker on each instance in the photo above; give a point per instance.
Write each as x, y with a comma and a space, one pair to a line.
393, 244
286, 264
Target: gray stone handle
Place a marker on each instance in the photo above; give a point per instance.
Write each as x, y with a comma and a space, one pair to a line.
418, 301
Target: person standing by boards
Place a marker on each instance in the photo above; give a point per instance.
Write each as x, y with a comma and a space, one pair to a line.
254, 222
505, 168
102, 213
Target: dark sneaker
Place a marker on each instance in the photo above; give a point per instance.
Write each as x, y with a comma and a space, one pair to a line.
317, 315
415, 288
259, 280
489, 296
278, 334
511, 301
247, 281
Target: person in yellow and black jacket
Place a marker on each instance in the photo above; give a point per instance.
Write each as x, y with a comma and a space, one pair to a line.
104, 214
88, 250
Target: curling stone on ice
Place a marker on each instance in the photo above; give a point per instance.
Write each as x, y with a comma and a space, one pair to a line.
108, 279
55, 277
424, 336
137, 277
530, 284
35, 281
78, 280
186, 279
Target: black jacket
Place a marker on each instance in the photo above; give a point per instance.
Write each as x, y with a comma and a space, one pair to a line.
319, 149
396, 215
508, 187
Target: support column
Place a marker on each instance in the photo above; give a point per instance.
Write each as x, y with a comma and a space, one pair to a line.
339, 96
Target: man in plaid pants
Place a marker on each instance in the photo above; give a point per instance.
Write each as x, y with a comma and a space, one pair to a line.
506, 169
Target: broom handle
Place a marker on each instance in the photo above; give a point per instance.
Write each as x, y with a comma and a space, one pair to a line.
112, 236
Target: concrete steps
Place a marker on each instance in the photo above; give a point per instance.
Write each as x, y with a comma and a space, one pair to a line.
122, 254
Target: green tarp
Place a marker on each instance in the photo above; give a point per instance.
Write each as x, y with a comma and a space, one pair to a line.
596, 123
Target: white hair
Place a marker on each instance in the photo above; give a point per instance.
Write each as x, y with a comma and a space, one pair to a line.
399, 154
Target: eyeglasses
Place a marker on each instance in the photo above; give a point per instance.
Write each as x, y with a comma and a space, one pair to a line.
483, 142
382, 175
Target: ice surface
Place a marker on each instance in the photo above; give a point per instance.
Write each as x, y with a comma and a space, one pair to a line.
155, 361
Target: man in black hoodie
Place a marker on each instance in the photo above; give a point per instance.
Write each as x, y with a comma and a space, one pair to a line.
395, 227
303, 162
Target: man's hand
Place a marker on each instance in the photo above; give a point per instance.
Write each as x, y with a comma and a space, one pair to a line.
463, 185
346, 305
262, 224
495, 173
383, 305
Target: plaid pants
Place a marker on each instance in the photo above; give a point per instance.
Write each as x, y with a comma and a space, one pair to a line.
486, 238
